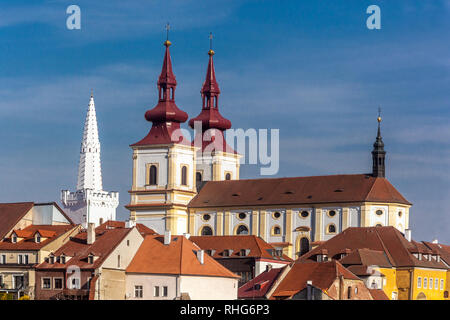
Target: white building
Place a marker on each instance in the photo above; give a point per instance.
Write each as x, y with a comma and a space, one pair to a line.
90, 203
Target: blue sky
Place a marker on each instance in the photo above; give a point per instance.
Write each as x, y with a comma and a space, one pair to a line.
310, 68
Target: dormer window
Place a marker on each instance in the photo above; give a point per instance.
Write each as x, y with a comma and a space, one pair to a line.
14, 238
51, 259
226, 252
63, 259
91, 259
38, 238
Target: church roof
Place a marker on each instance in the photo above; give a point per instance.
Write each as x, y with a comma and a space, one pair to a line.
10, 215
297, 190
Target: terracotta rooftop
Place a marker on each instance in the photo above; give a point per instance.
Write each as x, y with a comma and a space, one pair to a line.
111, 224
366, 257
77, 250
378, 294
259, 286
255, 246
48, 233
322, 275
389, 240
10, 215
297, 190
441, 249
179, 257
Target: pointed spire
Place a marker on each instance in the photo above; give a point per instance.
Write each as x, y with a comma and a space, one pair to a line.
89, 169
378, 152
210, 116
165, 116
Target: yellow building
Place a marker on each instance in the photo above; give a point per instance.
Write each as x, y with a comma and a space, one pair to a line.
385, 259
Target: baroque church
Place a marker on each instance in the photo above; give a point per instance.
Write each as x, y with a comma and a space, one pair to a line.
193, 186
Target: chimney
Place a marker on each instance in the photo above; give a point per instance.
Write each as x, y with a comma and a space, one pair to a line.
268, 267
408, 234
309, 290
201, 256
167, 237
91, 233
130, 224
187, 235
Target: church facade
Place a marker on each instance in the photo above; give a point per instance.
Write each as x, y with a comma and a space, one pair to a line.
194, 186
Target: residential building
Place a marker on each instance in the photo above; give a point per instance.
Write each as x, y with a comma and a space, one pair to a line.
408, 269
246, 256
91, 265
28, 232
172, 267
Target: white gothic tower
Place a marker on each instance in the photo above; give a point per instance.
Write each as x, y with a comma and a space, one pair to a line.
90, 203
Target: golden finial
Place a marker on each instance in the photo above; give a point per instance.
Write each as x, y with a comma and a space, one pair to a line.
167, 42
379, 115
211, 51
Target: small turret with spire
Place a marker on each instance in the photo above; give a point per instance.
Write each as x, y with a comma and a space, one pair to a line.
378, 153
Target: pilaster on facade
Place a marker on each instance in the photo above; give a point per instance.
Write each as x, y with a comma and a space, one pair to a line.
318, 234
255, 222
345, 218
219, 223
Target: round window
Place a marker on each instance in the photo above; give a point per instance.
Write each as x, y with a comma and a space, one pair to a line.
304, 214
379, 212
242, 215
276, 215
331, 213
206, 217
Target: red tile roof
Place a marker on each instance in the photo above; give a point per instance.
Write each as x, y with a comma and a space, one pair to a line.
388, 240
260, 285
322, 275
77, 250
110, 224
257, 246
366, 257
179, 257
441, 249
10, 215
378, 294
297, 190
51, 232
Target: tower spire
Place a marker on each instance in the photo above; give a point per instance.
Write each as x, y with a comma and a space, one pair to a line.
378, 152
89, 169
210, 117
165, 116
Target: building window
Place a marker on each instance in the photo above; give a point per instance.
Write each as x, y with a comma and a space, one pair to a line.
19, 259
118, 261
165, 291
198, 178
425, 283
46, 283
379, 212
304, 245
331, 213
442, 284
1, 281
242, 215
276, 215
304, 214
349, 293
153, 175
400, 214
276, 231
419, 282
378, 225
57, 283
431, 283
75, 283
184, 176
436, 284
206, 231
138, 291
63, 259
38, 238
14, 239
242, 230
3, 259
128, 243
206, 217
228, 176
90, 259
331, 229
156, 291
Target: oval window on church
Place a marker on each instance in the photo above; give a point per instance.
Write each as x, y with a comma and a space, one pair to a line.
400, 214
276, 215
242, 215
304, 214
206, 217
379, 212
331, 213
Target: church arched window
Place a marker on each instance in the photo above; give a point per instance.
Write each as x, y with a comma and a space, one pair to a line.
184, 175
242, 230
198, 177
228, 176
331, 228
206, 231
153, 172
